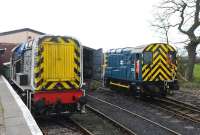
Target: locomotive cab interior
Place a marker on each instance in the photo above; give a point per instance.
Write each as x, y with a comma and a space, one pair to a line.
172, 57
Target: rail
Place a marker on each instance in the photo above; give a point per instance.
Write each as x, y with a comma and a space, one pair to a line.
128, 131
136, 115
179, 108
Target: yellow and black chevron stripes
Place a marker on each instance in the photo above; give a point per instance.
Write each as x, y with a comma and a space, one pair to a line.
77, 64
38, 69
160, 69
39, 81
62, 85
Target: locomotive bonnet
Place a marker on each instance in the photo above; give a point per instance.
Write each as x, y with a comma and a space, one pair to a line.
149, 69
49, 70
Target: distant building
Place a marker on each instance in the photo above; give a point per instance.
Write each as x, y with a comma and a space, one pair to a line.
9, 39
5, 57
18, 36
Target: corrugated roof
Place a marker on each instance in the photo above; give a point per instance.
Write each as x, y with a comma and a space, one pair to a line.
21, 30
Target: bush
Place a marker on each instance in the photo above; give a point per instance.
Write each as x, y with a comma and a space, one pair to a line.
197, 72
189, 85
181, 68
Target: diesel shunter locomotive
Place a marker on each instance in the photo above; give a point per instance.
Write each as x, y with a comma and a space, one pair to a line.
144, 70
48, 71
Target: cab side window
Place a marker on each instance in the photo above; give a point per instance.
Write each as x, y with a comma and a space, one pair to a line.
172, 57
28, 45
147, 57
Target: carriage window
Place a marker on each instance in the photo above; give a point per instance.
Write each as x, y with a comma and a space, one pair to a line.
147, 57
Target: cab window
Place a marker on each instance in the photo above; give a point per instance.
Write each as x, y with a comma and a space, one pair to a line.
28, 45
147, 57
172, 57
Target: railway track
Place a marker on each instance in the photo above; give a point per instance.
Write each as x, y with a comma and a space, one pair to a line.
179, 108
182, 109
57, 125
190, 97
122, 127
91, 123
100, 124
82, 128
143, 122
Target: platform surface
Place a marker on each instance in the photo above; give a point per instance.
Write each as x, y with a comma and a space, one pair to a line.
15, 118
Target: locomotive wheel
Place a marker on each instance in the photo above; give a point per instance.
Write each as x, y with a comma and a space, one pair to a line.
163, 91
137, 91
107, 83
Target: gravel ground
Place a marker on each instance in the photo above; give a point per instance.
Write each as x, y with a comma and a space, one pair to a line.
182, 126
138, 125
96, 124
188, 96
50, 127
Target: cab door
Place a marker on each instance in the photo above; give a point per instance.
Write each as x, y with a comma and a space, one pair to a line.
137, 66
147, 65
131, 75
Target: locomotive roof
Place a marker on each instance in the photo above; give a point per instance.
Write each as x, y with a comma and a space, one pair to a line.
137, 49
21, 46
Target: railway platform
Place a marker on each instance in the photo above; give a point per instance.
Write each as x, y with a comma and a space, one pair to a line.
15, 118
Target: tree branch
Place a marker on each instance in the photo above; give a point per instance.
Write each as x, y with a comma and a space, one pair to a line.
196, 18
188, 11
182, 19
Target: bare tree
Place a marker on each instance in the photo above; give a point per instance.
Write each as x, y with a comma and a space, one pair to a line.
184, 16
162, 25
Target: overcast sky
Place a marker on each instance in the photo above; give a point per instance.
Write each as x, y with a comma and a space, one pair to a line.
95, 23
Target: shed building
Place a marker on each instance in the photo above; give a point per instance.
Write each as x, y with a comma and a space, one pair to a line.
9, 39
18, 36
92, 58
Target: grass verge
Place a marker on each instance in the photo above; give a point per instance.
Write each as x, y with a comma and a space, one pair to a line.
195, 85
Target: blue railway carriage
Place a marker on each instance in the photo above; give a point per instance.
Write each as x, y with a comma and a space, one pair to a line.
144, 70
